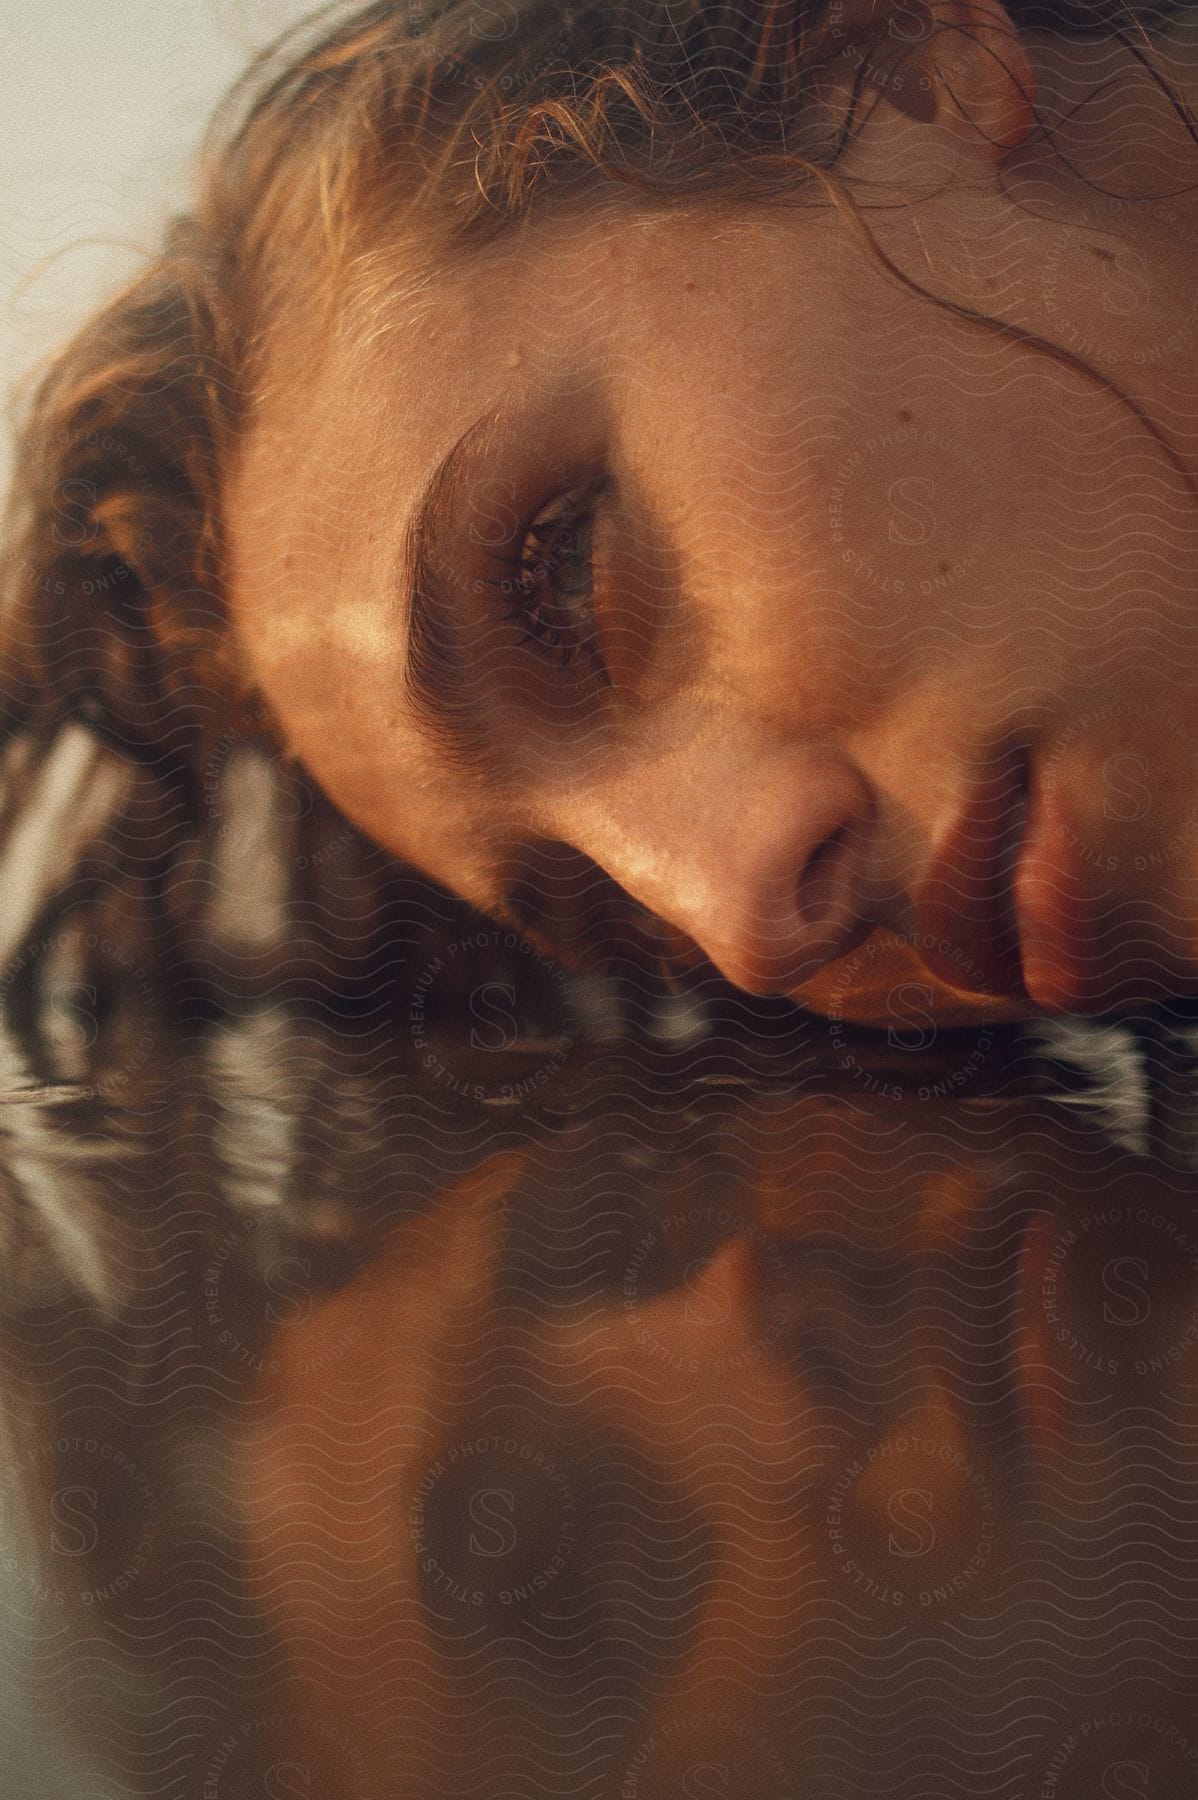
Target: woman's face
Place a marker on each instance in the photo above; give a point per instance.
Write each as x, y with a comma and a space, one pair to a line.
801, 607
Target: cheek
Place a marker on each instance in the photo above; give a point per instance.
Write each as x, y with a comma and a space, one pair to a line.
332, 679
909, 511
307, 592
957, 492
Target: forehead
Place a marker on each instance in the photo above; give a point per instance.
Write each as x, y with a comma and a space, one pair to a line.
568, 310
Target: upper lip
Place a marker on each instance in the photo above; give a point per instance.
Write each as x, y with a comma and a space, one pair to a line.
965, 912
1057, 927
1086, 944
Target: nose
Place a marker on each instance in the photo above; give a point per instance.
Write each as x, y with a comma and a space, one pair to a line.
796, 897
777, 859
759, 857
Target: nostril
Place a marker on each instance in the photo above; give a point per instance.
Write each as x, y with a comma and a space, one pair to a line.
826, 897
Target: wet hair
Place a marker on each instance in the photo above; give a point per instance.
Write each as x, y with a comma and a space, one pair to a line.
447, 120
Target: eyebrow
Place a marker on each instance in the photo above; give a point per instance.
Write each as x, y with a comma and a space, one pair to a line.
436, 678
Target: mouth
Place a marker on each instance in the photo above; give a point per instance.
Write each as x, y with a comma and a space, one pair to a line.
1015, 905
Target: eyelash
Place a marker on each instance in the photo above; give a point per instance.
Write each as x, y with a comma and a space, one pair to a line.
570, 516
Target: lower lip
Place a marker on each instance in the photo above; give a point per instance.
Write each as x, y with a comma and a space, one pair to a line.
978, 953
863, 993
975, 964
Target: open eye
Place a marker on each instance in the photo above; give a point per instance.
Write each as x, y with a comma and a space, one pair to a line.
552, 584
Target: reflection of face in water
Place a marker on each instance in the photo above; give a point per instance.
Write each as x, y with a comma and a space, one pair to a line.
847, 1388
690, 1416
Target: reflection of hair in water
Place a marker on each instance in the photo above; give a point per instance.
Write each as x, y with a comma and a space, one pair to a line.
449, 119
148, 1253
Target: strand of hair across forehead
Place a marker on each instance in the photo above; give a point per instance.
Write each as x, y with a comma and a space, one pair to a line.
850, 212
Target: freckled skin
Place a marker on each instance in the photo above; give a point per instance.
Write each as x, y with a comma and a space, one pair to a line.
856, 542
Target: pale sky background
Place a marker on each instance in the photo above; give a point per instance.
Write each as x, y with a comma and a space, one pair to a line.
102, 103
